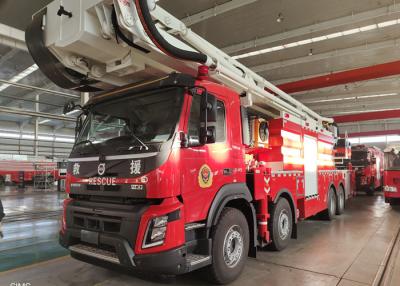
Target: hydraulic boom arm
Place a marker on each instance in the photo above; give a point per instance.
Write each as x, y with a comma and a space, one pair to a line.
95, 44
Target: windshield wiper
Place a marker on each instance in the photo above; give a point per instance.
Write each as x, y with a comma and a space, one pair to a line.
138, 140
91, 145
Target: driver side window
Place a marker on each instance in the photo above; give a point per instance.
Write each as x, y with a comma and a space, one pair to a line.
195, 120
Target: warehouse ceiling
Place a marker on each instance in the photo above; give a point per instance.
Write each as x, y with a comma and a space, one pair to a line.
371, 36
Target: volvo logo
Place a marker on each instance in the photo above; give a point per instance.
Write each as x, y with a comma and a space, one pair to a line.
101, 169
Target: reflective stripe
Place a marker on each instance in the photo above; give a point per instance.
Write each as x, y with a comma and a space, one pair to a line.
116, 157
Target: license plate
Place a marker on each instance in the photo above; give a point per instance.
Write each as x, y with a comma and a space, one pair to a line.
90, 237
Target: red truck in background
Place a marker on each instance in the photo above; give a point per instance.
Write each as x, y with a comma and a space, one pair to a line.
342, 153
368, 166
342, 156
21, 172
391, 187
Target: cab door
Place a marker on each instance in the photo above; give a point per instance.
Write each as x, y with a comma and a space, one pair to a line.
204, 167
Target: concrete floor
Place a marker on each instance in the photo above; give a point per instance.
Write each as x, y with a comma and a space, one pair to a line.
347, 251
30, 227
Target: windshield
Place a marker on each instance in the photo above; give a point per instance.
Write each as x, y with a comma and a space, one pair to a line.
147, 117
392, 161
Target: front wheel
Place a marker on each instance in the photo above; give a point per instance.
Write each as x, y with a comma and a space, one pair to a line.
230, 246
282, 224
340, 201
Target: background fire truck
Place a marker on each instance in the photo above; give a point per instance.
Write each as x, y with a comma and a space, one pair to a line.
368, 166
392, 175
23, 172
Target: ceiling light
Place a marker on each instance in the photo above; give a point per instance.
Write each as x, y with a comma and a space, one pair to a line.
352, 31
368, 28
388, 23
374, 139
378, 95
8, 135
393, 138
280, 18
66, 140
46, 138
354, 140
334, 35
44, 121
20, 76
291, 45
26, 136
352, 98
319, 38
72, 112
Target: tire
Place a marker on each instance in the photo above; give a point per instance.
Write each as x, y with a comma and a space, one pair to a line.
230, 246
281, 226
340, 204
330, 212
370, 191
394, 202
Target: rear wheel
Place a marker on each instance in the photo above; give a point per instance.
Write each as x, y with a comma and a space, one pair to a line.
230, 246
370, 190
330, 212
282, 224
394, 202
340, 201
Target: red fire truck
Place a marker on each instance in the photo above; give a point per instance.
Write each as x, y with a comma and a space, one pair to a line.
392, 175
368, 166
20, 172
194, 169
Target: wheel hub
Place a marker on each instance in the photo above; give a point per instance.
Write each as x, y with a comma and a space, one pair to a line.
284, 227
233, 246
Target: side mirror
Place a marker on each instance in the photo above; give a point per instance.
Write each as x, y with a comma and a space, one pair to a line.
211, 134
208, 106
78, 126
184, 140
208, 114
208, 135
68, 107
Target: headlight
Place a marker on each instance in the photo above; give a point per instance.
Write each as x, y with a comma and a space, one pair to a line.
155, 233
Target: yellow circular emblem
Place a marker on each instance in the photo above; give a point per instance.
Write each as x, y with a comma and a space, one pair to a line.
205, 176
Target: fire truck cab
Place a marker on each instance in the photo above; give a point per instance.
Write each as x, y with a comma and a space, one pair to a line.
392, 175
166, 175
368, 166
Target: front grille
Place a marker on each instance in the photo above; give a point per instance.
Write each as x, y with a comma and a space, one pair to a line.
112, 188
96, 222
92, 188
97, 188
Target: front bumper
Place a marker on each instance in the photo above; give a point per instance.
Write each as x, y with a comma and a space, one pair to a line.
116, 252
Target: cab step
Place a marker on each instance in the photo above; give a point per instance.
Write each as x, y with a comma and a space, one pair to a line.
196, 261
95, 252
